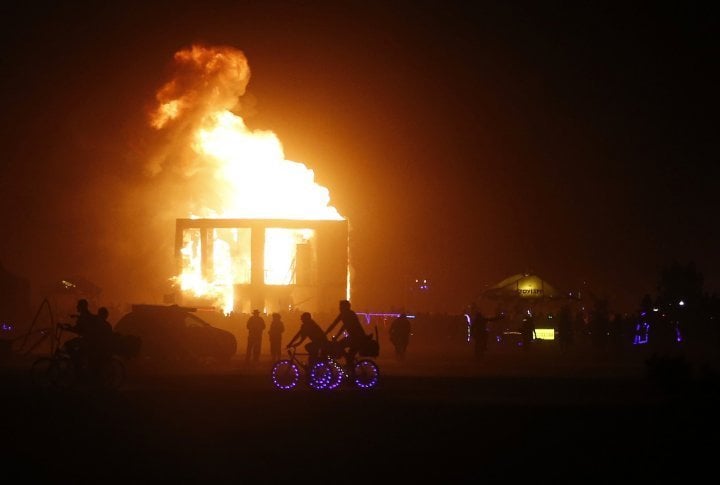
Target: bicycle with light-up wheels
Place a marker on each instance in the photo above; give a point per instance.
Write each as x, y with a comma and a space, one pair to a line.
286, 374
363, 372
60, 370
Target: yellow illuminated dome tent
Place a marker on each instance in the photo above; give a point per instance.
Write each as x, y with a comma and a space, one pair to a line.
519, 294
524, 287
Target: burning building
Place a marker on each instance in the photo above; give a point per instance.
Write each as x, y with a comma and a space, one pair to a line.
261, 233
268, 264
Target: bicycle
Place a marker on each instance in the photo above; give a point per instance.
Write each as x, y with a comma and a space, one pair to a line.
287, 373
364, 373
60, 371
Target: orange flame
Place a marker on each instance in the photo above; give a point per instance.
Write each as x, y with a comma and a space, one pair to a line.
247, 173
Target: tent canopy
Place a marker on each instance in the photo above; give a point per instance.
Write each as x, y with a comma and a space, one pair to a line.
524, 286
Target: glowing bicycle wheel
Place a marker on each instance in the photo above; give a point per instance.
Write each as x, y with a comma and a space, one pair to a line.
285, 374
321, 375
367, 374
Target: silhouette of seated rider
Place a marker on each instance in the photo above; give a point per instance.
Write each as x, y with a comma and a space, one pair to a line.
309, 329
351, 336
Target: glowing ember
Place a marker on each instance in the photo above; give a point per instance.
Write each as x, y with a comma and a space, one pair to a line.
244, 170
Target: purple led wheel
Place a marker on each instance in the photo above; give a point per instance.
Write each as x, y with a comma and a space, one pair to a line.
285, 375
367, 373
321, 375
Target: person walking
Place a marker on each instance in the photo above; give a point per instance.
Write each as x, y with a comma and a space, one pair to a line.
255, 327
400, 335
479, 332
527, 330
565, 329
277, 327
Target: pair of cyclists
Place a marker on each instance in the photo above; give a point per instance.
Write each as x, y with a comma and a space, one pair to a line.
347, 342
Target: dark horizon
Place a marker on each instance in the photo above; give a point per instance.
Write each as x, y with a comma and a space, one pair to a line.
463, 143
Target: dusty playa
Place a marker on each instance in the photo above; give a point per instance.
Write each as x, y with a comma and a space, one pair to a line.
430, 418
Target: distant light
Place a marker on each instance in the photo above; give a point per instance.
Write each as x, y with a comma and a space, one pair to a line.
655, 309
422, 284
682, 303
545, 333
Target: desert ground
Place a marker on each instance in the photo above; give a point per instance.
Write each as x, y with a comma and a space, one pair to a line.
437, 416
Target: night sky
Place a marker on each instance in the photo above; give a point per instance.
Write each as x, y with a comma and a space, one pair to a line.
464, 141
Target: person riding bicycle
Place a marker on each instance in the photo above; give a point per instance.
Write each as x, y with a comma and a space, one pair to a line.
309, 329
355, 337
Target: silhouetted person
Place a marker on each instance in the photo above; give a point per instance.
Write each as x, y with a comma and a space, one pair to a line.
275, 333
599, 326
565, 328
105, 328
92, 344
85, 320
255, 327
77, 346
580, 331
479, 332
528, 331
354, 334
400, 335
103, 314
663, 335
617, 334
100, 348
309, 329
